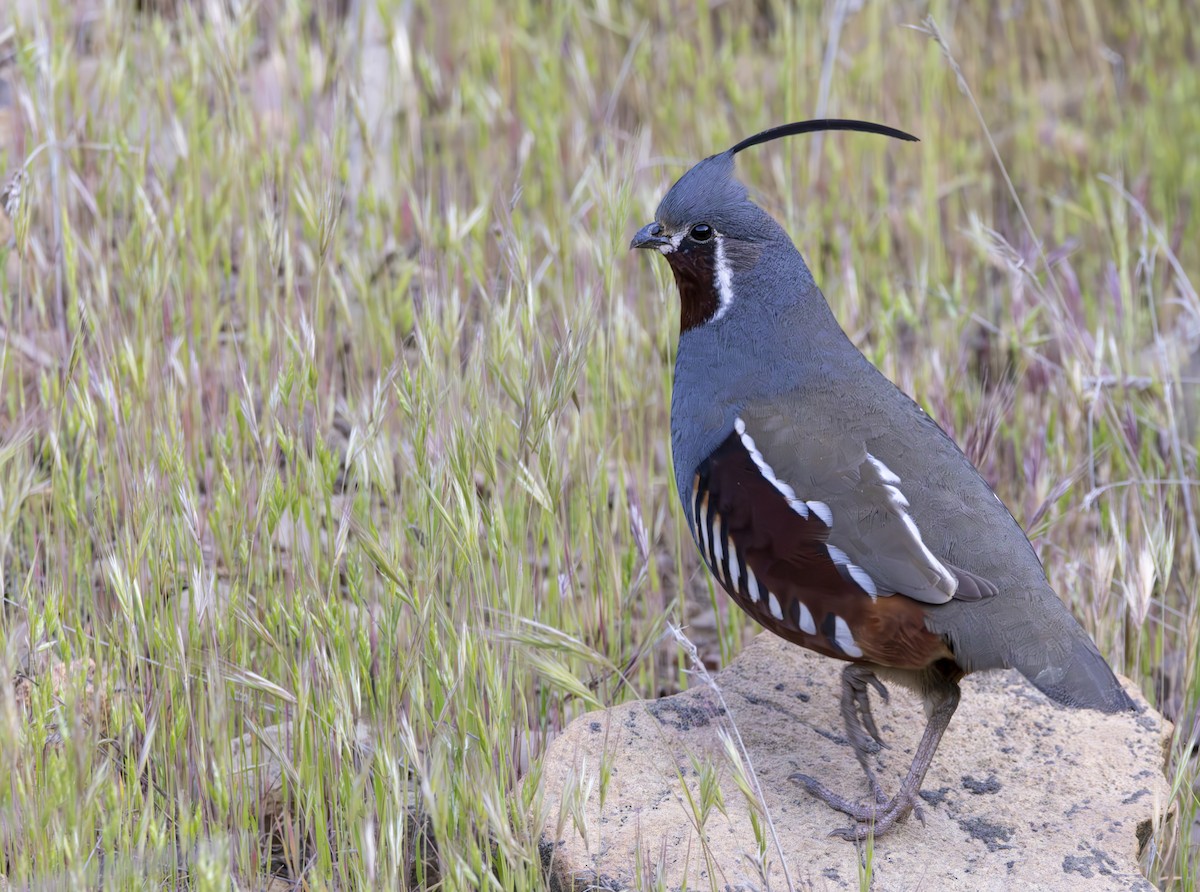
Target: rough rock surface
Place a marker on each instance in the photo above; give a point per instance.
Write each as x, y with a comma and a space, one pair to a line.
1022, 793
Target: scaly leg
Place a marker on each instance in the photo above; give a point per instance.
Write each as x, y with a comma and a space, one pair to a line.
860, 724
879, 818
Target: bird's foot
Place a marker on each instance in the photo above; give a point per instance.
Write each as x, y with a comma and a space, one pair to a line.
877, 818
856, 710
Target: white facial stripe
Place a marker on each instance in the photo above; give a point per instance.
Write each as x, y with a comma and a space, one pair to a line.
773, 604
860, 576
899, 504
767, 471
844, 640
804, 619
722, 279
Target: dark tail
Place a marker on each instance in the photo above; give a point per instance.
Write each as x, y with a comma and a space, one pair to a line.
1038, 637
1081, 679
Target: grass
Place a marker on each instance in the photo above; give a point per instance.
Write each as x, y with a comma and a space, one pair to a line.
334, 467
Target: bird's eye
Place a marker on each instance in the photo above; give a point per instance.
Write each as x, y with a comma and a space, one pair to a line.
701, 232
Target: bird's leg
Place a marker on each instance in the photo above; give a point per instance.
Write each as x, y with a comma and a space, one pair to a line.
860, 724
879, 818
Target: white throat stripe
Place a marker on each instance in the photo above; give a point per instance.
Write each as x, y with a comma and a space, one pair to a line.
722, 279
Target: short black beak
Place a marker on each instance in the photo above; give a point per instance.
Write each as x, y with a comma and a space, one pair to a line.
649, 236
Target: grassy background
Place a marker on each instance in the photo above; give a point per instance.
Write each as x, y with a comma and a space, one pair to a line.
334, 466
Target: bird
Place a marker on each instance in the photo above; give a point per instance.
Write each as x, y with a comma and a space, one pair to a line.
828, 504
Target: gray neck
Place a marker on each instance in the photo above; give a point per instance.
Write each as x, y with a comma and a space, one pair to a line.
778, 331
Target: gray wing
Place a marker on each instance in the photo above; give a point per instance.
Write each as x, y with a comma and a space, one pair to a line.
862, 501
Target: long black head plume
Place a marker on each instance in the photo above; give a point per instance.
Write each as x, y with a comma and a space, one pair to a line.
814, 126
710, 194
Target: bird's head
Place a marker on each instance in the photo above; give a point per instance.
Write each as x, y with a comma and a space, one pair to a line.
710, 231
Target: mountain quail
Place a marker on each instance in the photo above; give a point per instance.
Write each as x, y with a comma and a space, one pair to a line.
828, 505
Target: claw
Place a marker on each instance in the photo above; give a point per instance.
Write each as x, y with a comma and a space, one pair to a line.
882, 813
856, 708
881, 798
858, 811
879, 686
868, 720
877, 818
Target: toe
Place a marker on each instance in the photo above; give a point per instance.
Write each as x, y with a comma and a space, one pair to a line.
879, 686
850, 834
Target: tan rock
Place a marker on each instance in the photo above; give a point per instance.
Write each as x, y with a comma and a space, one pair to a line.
1022, 793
